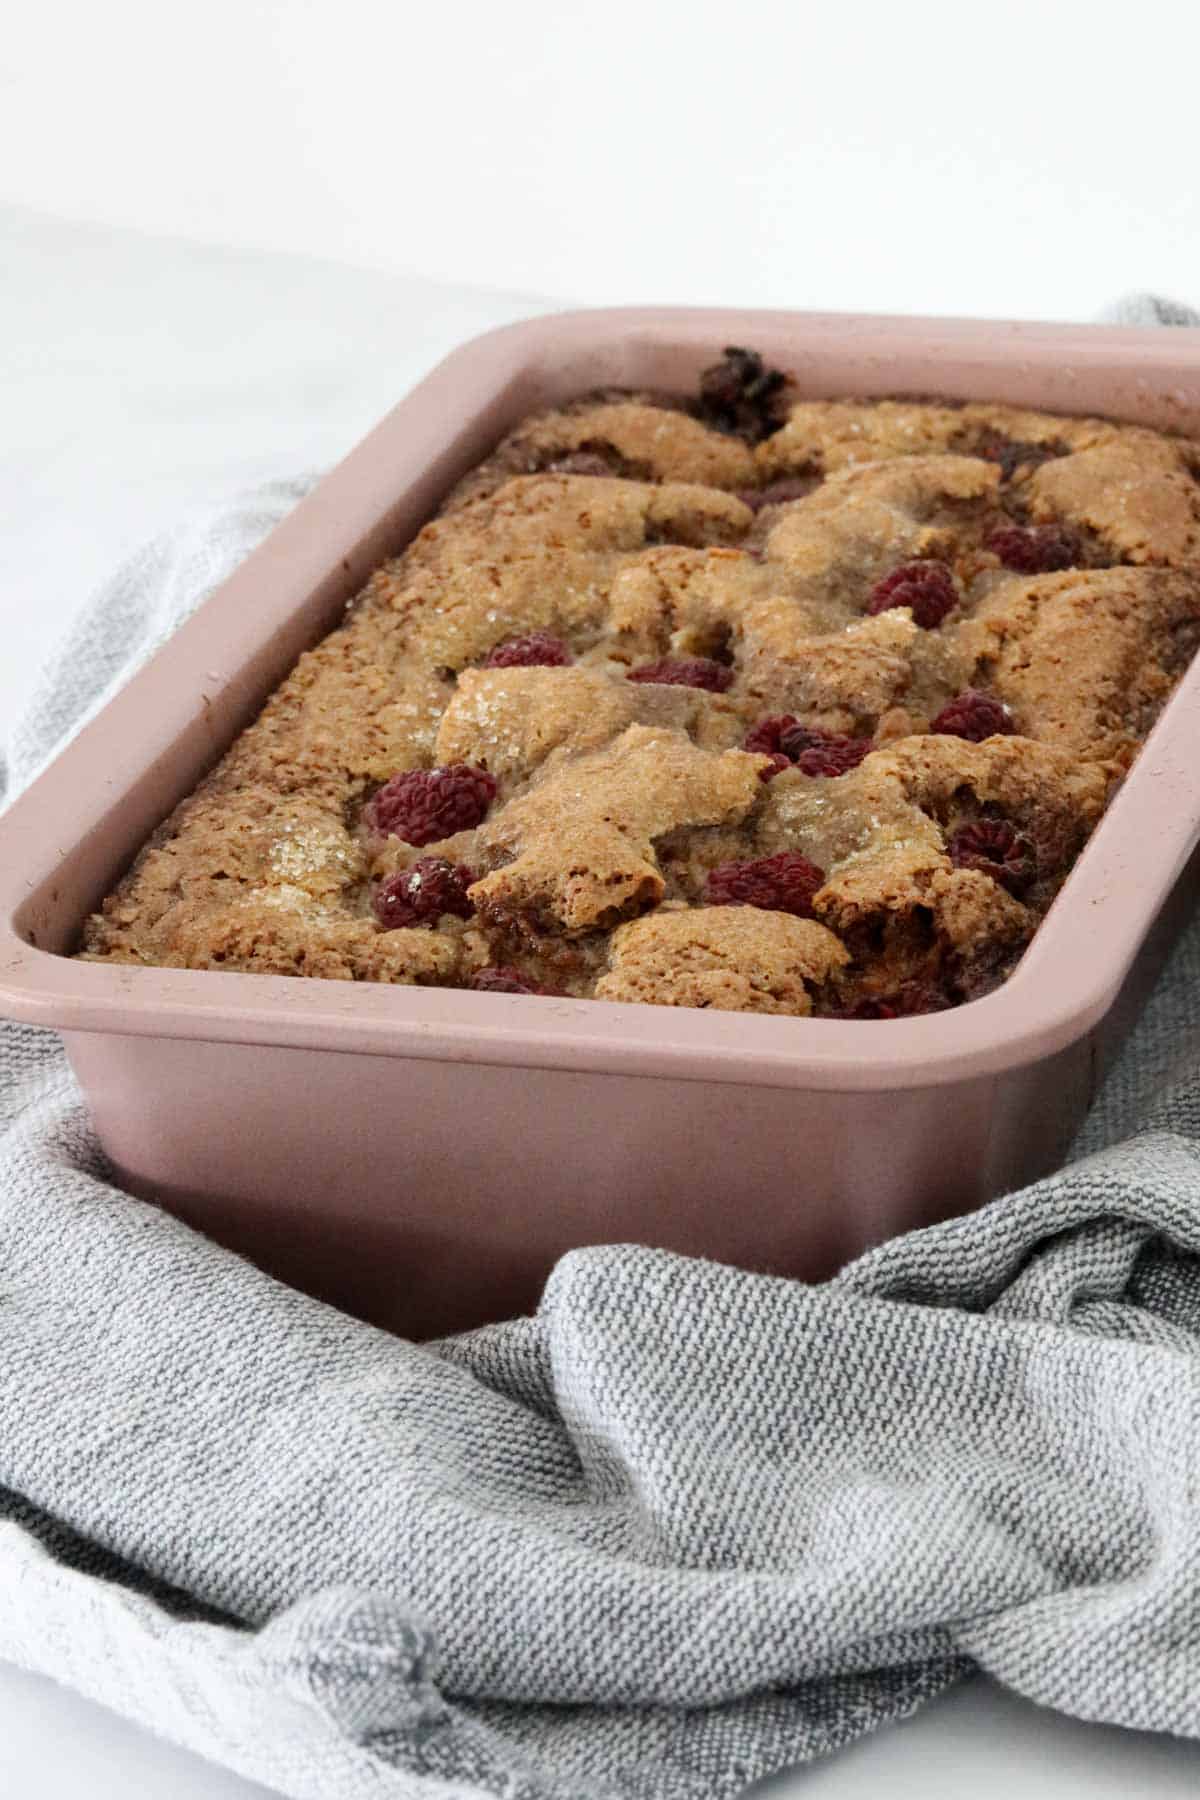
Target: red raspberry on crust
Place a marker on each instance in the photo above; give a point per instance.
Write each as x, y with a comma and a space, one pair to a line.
973, 715
995, 848
836, 756
763, 737
785, 739
501, 979
796, 737
905, 1003
776, 766
420, 894
685, 671
536, 650
1035, 549
422, 806
926, 587
823, 752
783, 883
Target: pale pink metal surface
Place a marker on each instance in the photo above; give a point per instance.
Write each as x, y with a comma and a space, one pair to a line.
421, 1155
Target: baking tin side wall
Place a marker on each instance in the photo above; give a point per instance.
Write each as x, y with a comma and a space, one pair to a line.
431, 1196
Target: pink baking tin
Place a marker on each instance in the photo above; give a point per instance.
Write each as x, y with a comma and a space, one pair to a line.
422, 1156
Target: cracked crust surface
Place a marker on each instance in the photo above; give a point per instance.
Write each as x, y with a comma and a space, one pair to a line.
733, 958
633, 530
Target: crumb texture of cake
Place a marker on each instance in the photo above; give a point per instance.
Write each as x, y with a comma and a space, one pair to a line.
746, 701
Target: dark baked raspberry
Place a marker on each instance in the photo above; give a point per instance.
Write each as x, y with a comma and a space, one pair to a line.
927, 587
995, 848
787, 740
763, 737
870, 1009
783, 883
822, 752
777, 765
833, 756
505, 980
973, 715
795, 737
740, 394
777, 493
595, 457
1035, 549
536, 650
685, 671
420, 894
905, 1003
424, 805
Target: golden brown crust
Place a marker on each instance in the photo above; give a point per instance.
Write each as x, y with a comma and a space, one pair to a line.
1086, 658
630, 530
582, 839
628, 437
837, 434
1139, 501
865, 520
883, 839
733, 958
510, 720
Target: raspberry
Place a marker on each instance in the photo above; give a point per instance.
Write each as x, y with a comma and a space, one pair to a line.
420, 894
1036, 549
995, 848
536, 650
739, 394
763, 737
796, 737
927, 587
685, 671
505, 980
914, 997
424, 805
974, 716
595, 457
871, 1009
783, 736
783, 883
823, 752
778, 764
835, 756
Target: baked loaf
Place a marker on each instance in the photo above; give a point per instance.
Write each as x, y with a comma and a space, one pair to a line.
750, 702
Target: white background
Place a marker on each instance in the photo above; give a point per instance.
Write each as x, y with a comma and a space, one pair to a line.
1027, 160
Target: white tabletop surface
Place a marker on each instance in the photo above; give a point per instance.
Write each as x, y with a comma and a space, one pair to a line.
140, 377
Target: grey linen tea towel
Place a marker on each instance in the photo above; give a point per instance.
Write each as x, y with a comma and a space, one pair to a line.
682, 1528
